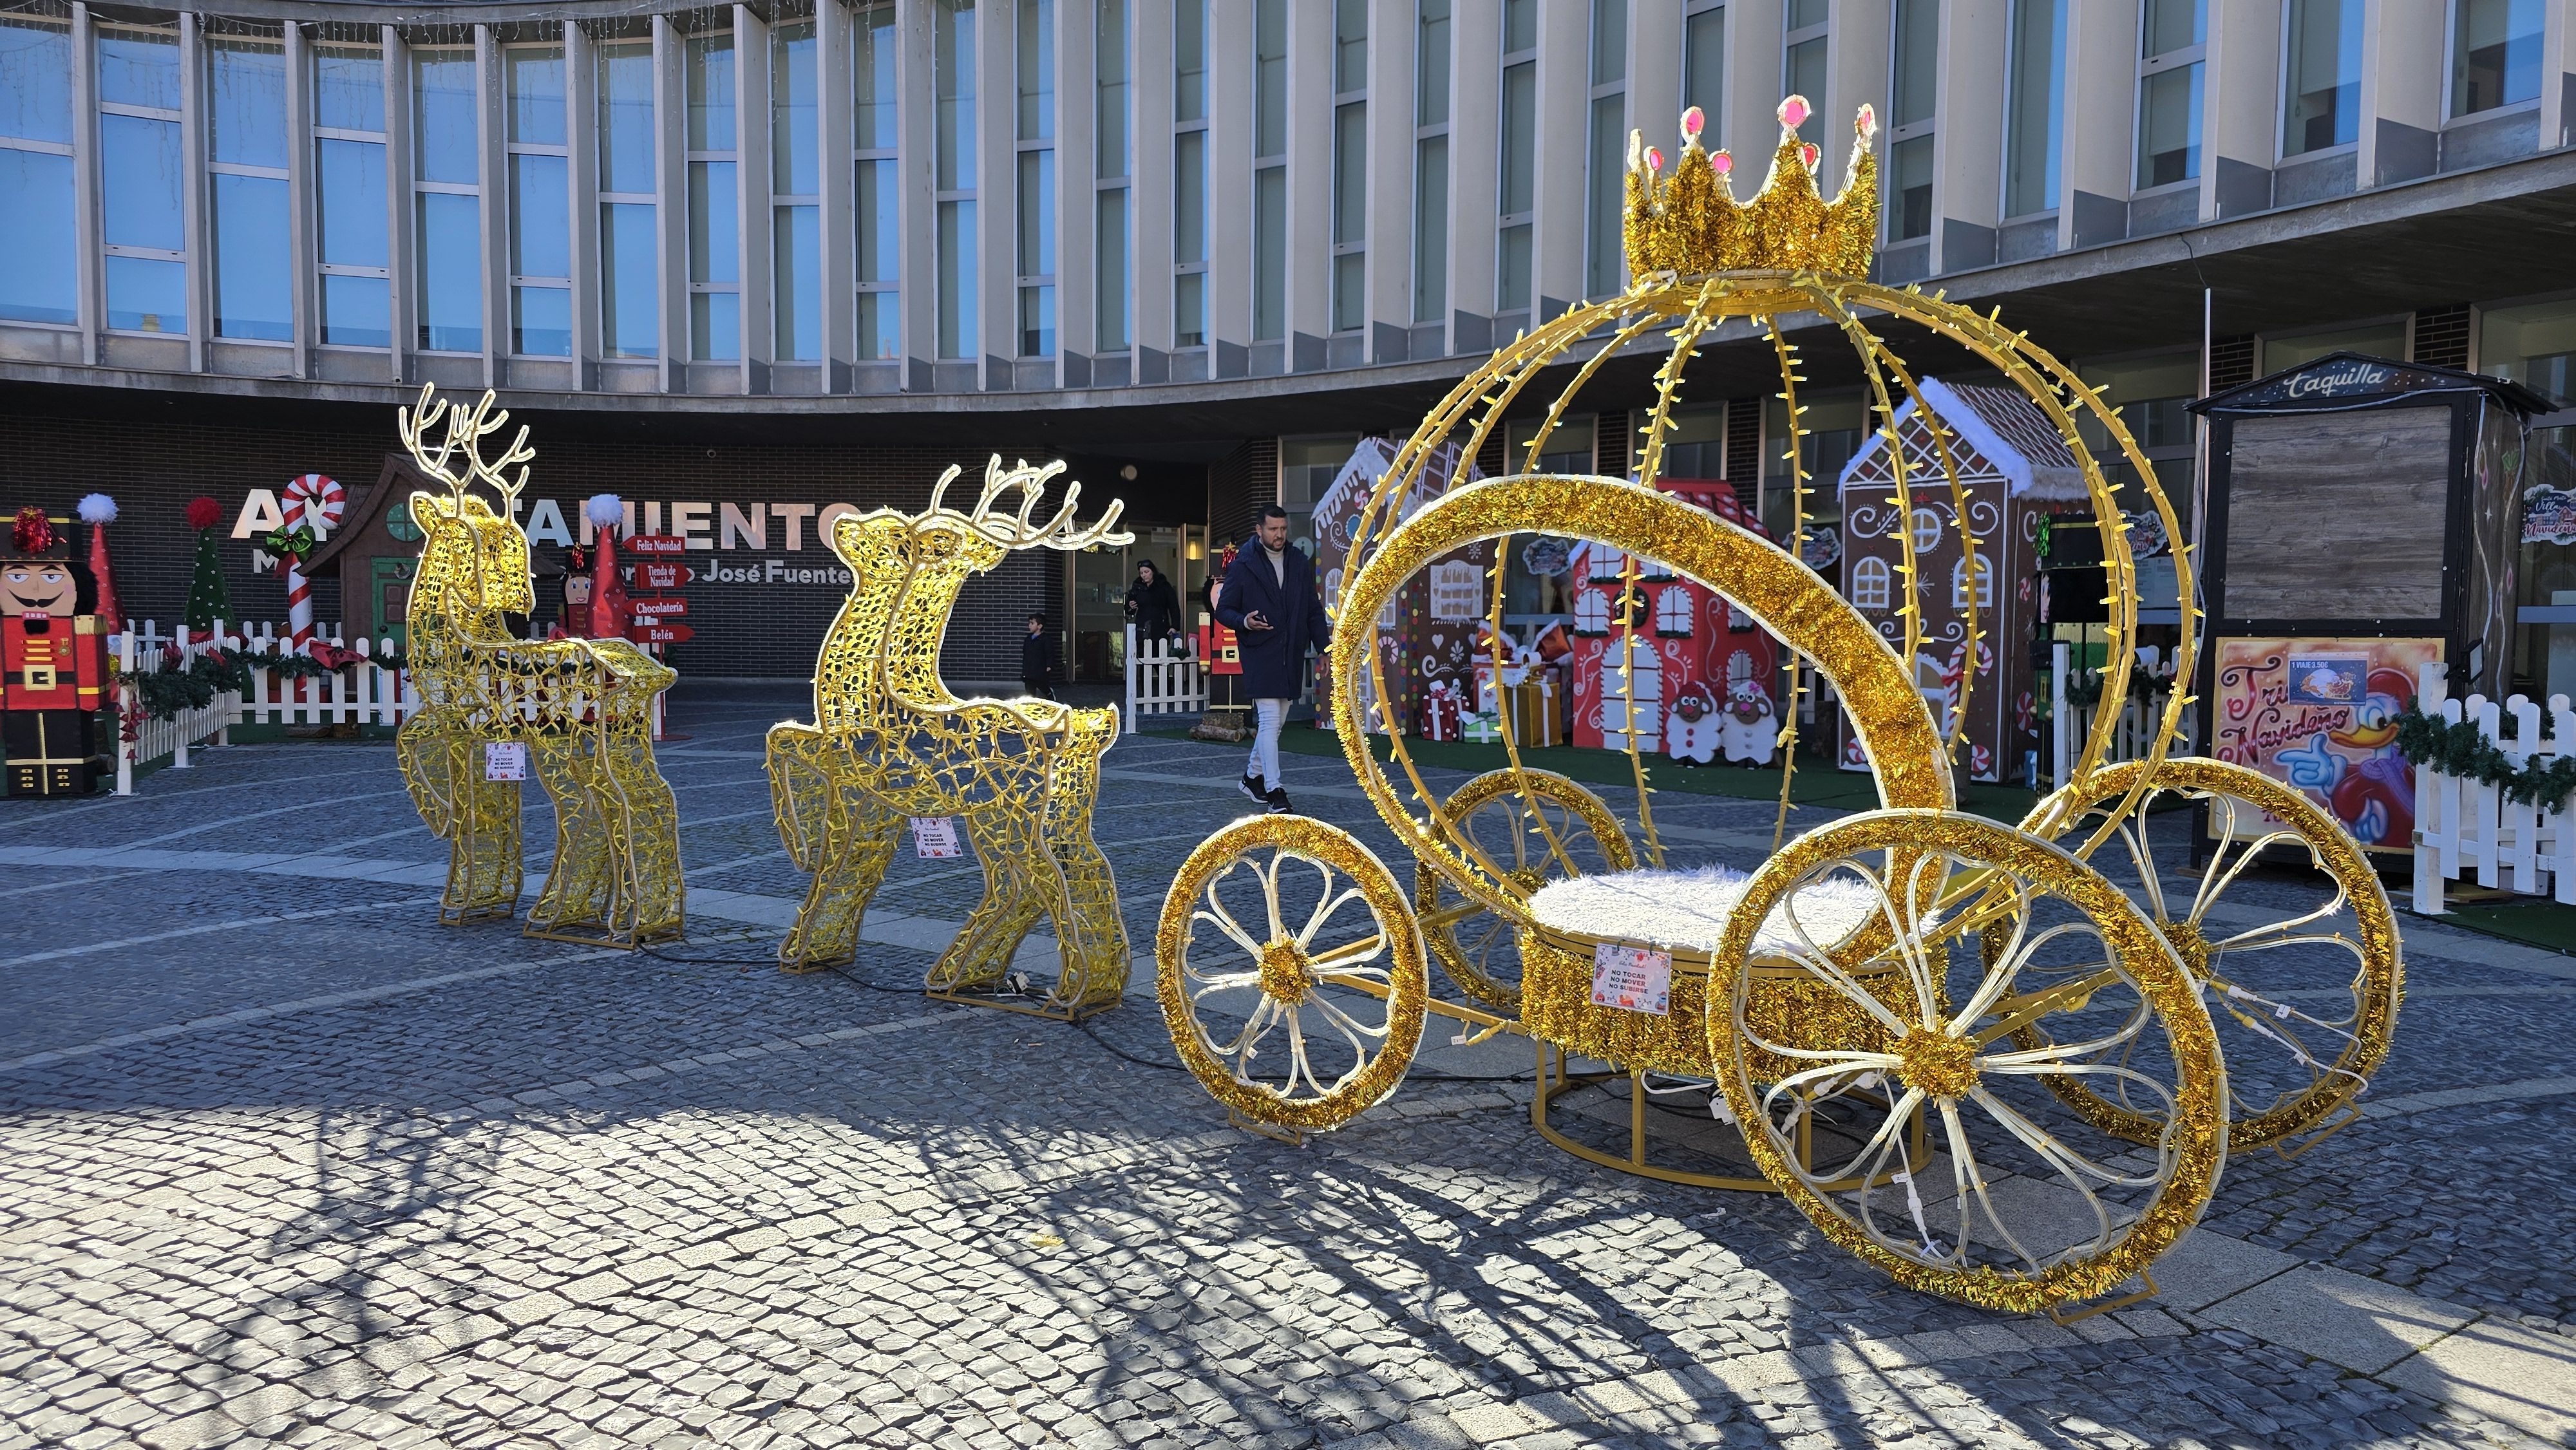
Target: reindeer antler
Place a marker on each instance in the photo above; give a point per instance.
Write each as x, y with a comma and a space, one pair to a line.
465, 431
1020, 530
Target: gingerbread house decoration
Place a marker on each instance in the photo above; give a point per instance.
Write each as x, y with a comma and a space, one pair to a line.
1701, 675
1427, 629
2013, 469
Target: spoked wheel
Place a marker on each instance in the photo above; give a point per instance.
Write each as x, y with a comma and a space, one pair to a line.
1554, 831
2302, 971
1291, 973
2025, 1204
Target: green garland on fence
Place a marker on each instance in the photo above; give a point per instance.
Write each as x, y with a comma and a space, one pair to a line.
169, 688
2462, 750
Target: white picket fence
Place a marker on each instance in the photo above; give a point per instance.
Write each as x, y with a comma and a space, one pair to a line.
367, 694
2070, 723
2462, 825
1162, 679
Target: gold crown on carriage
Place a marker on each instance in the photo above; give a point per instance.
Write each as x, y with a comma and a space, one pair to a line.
1689, 222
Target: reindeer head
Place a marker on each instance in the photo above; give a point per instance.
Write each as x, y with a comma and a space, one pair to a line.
472, 549
993, 529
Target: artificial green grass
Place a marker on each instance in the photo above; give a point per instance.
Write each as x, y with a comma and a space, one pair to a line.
2534, 921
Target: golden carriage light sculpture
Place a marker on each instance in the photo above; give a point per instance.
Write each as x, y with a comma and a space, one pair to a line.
1993, 1060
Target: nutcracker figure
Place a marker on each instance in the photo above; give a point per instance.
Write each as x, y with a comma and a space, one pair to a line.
55, 659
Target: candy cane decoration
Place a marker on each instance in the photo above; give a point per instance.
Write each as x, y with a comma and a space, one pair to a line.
314, 501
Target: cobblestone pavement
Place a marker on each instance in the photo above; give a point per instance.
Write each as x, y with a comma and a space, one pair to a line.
288, 1163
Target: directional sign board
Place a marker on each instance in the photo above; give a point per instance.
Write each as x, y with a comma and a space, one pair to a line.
645, 609
661, 634
656, 574
655, 544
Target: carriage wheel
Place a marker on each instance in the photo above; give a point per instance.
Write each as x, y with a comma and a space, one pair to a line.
2026, 1204
1558, 829
1291, 973
2305, 995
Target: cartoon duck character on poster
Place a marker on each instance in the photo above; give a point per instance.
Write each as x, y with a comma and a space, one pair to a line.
55, 654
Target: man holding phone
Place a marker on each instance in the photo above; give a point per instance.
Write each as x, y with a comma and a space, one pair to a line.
1269, 601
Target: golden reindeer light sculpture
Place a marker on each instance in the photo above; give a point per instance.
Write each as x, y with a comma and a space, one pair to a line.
579, 712
890, 743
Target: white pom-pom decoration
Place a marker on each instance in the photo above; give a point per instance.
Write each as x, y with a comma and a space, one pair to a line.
97, 508
605, 510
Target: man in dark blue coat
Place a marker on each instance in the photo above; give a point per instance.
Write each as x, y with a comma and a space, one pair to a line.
1269, 601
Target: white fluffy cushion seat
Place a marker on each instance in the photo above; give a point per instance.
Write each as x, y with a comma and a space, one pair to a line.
1686, 911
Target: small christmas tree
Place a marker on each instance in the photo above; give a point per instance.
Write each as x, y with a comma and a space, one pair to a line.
208, 597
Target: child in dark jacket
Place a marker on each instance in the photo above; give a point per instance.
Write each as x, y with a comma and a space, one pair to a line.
1037, 659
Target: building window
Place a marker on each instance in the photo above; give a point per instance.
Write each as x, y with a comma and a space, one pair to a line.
630, 311
1033, 63
872, 56
540, 201
1694, 441
1350, 164
1307, 467
1431, 160
1109, 205
349, 195
796, 192
2035, 117
1704, 66
1913, 83
2172, 36
1189, 173
139, 180
1606, 150
1802, 63
1519, 154
246, 154
952, 84
447, 199
2495, 54
715, 202
1869, 583
2321, 105
1270, 170
2534, 346
42, 281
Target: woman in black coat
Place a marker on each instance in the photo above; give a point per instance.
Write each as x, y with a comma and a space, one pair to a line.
1152, 606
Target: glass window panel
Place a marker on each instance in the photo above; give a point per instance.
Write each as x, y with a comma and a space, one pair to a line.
1520, 25
877, 218
629, 314
36, 234
1512, 275
1350, 45
1520, 136
2037, 116
1269, 253
957, 279
1110, 302
1037, 213
541, 321
35, 79
1189, 310
1803, 74
1189, 197
443, 107
1350, 291
139, 68
1109, 57
1704, 66
348, 88
715, 230
625, 81
1803, 13
880, 324
356, 312
2495, 54
2169, 126
449, 245
536, 87
715, 326
709, 70
952, 66
139, 169
245, 102
872, 70
794, 133
1430, 229
797, 271
2323, 107
540, 212
2534, 346
1189, 60
1350, 172
1609, 41
349, 201
254, 292
1034, 63
147, 296
1918, 48
1606, 179
1037, 321
1431, 62
1269, 77
2173, 25
1909, 189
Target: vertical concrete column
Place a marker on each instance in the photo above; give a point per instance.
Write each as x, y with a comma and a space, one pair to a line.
193, 212
837, 226
997, 184
2240, 124
1149, 186
916, 129
2402, 54
492, 175
1310, 183
754, 217
1968, 133
88, 225
671, 199
2100, 146
1754, 85
400, 247
581, 134
299, 190
1077, 169
1857, 59
1393, 45
1564, 114
1475, 171
1229, 151
1655, 72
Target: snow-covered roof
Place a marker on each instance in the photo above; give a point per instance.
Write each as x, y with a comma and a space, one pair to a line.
1996, 433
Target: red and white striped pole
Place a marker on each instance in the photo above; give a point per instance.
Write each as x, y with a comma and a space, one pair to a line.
315, 500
